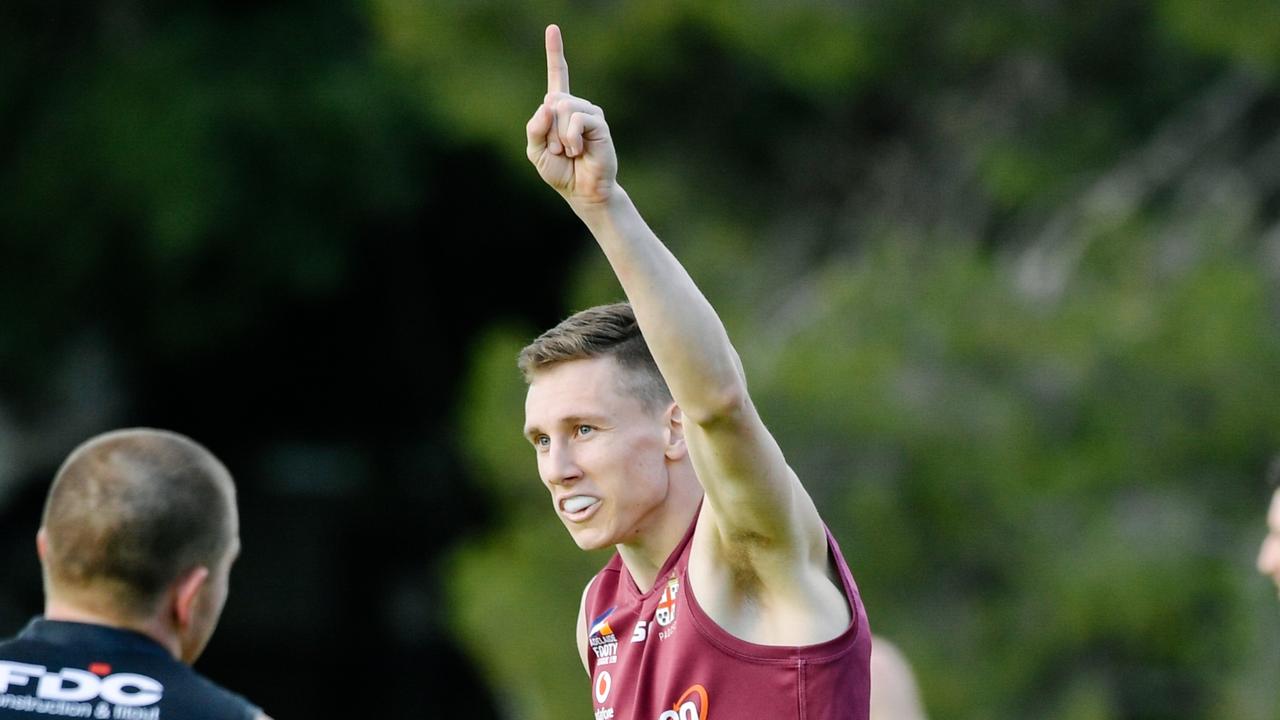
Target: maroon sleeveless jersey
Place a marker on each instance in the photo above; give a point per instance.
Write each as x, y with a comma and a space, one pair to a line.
657, 656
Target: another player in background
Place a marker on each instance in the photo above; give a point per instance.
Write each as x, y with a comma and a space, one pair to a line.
139, 533
728, 597
1269, 553
894, 693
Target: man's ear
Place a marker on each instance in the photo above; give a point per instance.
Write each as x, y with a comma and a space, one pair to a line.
42, 544
186, 593
676, 448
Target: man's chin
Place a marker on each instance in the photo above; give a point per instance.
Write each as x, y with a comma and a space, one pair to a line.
590, 540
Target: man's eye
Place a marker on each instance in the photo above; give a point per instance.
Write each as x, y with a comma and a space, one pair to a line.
542, 441
585, 429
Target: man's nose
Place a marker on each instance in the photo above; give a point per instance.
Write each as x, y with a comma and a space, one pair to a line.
561, 467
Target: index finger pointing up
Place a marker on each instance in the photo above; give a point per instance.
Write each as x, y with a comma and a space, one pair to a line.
557, 68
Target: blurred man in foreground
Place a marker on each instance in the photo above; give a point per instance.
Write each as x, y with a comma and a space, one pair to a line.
139, 533
894, 693
1269, 553
727, 597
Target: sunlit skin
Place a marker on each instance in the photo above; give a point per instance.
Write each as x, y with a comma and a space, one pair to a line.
1269, 554
594, 441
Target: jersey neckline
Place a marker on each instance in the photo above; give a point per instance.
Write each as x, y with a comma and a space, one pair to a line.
667, 566
65, 632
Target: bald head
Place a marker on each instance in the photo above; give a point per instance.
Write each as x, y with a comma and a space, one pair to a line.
131, 511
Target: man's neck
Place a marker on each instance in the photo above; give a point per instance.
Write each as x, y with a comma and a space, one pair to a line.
62, 611
645, 556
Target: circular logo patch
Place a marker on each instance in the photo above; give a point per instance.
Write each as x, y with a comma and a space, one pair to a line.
603, 685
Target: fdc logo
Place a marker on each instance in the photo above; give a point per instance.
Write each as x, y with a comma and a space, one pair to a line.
72, 685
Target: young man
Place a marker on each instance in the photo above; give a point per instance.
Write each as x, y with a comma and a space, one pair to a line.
727, 597
138, 537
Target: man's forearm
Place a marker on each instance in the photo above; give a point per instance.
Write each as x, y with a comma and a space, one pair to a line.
683, 331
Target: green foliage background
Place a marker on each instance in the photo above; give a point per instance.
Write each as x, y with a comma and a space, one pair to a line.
1004, 279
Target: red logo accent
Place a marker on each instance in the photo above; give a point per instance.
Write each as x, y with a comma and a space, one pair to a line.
100, 668
701, 692
666, 613
604, 682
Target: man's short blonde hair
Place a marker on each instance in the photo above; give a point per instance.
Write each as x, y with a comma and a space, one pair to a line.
604, 330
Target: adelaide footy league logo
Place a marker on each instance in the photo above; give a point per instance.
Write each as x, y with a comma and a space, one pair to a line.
602, 640
692, 705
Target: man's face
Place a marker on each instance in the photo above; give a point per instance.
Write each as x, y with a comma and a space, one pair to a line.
601, 453
1269, 555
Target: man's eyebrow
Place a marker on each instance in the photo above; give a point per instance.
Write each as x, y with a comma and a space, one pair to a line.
577, 419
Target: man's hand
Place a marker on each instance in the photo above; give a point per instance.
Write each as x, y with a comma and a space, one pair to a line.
569, 140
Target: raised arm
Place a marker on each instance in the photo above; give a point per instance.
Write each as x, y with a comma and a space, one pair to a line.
762, 516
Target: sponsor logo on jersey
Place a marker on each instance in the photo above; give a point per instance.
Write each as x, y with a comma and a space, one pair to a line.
692, 705
72, 692
640, 632
666, 613
602, 640
603, 684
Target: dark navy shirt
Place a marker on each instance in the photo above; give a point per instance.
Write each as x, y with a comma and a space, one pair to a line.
76, 670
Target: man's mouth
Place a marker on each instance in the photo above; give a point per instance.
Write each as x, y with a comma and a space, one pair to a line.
577, 507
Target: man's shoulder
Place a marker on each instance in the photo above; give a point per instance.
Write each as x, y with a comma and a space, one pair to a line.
100, 671
199, 683
606, 582
18, 648
232, 701
190, 689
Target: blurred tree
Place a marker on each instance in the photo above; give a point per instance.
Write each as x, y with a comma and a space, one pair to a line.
1004, 281
237, 221
1004, 278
